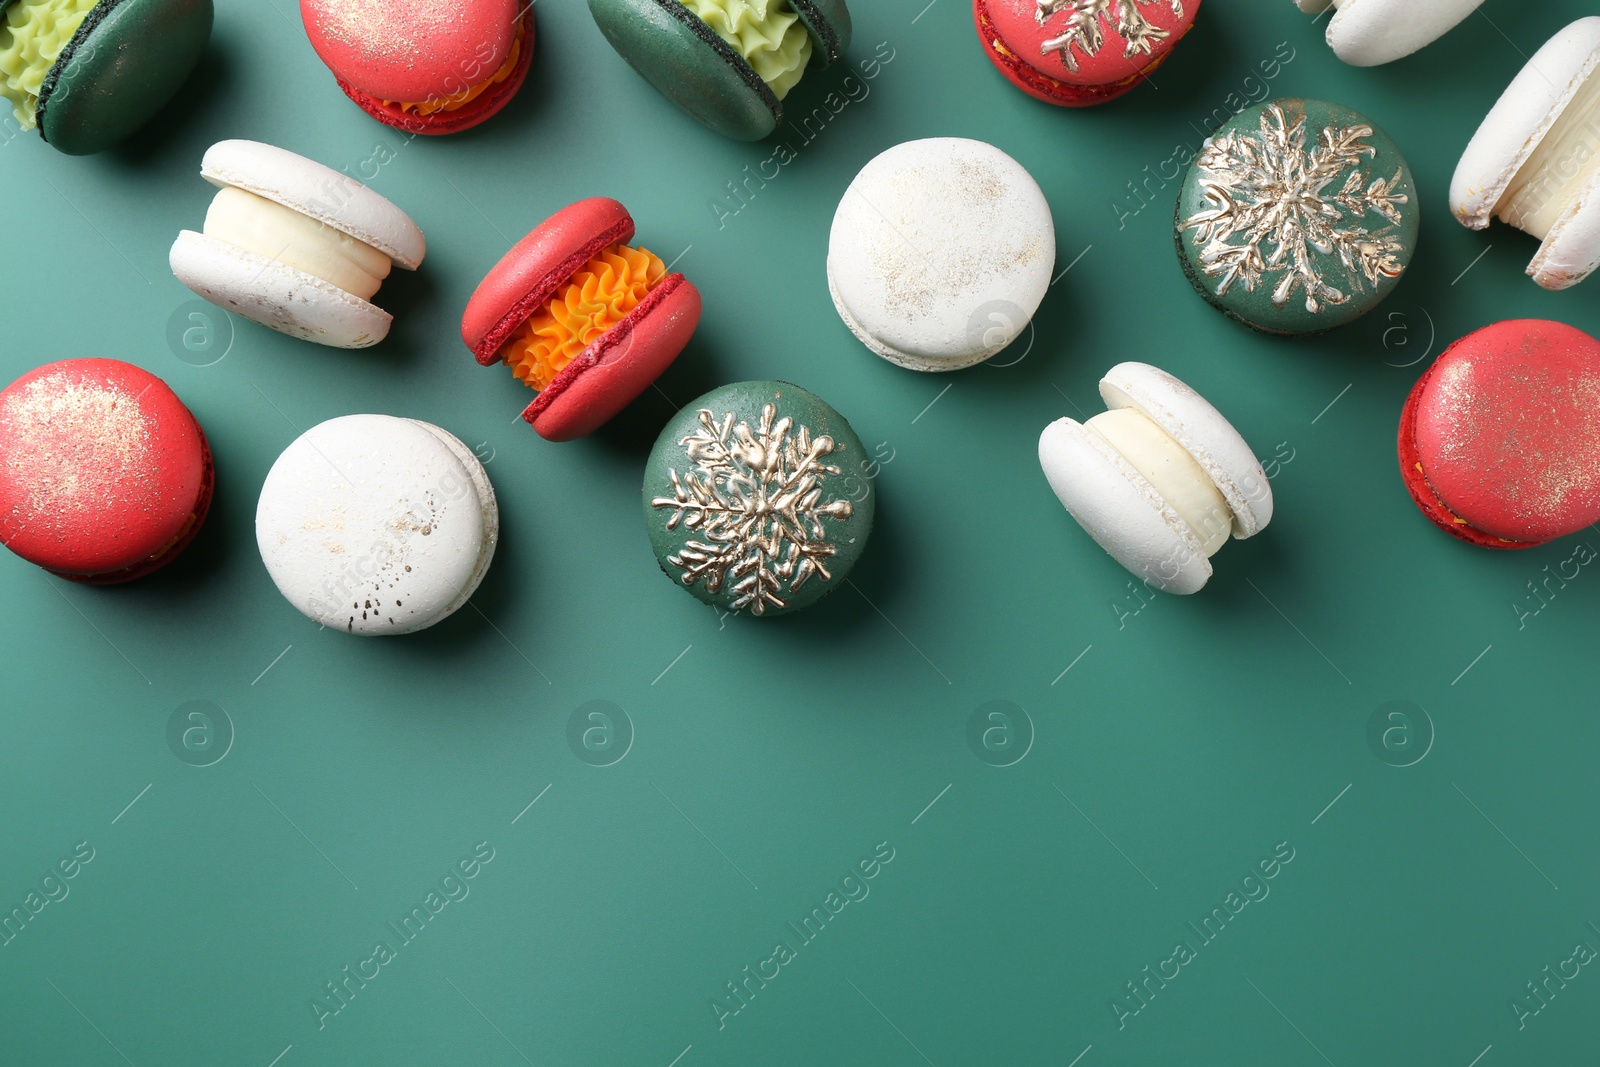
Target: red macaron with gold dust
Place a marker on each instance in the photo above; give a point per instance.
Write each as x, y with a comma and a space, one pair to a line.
420, 65
1077, 53
582, 317
105, 476
1500, 439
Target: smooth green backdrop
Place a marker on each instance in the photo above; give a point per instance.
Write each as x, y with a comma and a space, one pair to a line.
1159, 748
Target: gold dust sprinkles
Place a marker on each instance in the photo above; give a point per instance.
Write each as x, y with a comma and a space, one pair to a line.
83, 445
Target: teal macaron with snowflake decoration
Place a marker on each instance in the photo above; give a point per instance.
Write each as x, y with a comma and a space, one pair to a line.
758, 498
1297, 216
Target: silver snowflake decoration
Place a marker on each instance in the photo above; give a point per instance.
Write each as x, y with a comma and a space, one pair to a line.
1268, 212
755, 499
1083, 27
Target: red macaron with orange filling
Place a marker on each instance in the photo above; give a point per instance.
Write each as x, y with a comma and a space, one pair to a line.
105, 476
582, 317
422, 66
1500, 440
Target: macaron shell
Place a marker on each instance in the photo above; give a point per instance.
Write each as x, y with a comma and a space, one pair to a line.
1122, 511
105, 469
414, 50
1506, 432
317, 192
1368, 33
1016, 25
828, 22
127, 60
1570, 252
154, 563
276, 295
1038, 85
608, 375
690, 65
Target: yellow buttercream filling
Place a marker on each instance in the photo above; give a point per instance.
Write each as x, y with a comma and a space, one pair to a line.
599, 296
767, 33
269, 229
456, 101
32, 37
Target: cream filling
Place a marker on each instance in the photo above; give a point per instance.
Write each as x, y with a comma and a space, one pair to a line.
1167, 466
269, 229
1560, 166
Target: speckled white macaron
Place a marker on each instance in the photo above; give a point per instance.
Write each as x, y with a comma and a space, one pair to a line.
1160, 479
1535, 161
1368, 33
941, 251
377, 525
295, 246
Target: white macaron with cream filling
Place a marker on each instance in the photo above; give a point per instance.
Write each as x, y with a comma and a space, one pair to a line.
1535, 160
1369, 33
377, 525
1160, 479
295, 246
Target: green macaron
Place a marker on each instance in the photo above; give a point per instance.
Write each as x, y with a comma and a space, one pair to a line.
1297, 216
87, 73
728, 63
758, 498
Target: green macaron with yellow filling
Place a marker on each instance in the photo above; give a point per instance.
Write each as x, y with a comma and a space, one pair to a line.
729, 63
87, 73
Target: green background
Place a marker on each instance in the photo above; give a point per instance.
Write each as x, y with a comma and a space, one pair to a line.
761, 759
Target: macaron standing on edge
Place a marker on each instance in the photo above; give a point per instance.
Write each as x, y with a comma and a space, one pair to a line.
1499, 440
1160, 479
728, 63
581, 317
1369, 33
1077, 53
87, 73
107, 475
1298, 216
424, 67
940, 253
295, 246
376, 525
1535, 160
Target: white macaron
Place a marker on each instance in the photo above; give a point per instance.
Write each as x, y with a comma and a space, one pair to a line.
1535, 161
376, 525
1369, 33
1160, 479
940, 253
295, 246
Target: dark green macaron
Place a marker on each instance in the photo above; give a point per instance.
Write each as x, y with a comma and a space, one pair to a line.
88, 73
728, 63
758, 497
1297, 216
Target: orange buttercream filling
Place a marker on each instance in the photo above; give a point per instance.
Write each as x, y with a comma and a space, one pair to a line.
598, 297
457, 100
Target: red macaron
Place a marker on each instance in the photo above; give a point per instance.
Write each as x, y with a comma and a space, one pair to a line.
422, 66
1500, 439
582, 317
106, 475
1077, 53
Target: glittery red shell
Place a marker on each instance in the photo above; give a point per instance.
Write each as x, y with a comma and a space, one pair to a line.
411, 50
104, 474
1111, 44
1505, 427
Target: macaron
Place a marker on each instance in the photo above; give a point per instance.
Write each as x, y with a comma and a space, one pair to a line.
295, 246
1499, 440
104, 475
940, 253
1297, 216
757, 500
1369, 33
728, 63
87, 73
1535, 161
420, 66
1077, 53
376, 525
1160, 479
580, 316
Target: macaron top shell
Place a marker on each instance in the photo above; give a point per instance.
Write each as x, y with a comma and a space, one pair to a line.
412, 50
940, 253
828, 22
1367, 33
103, 467
1090, 44
1506, 432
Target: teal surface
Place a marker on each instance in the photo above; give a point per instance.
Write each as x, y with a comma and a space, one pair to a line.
1052, 778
